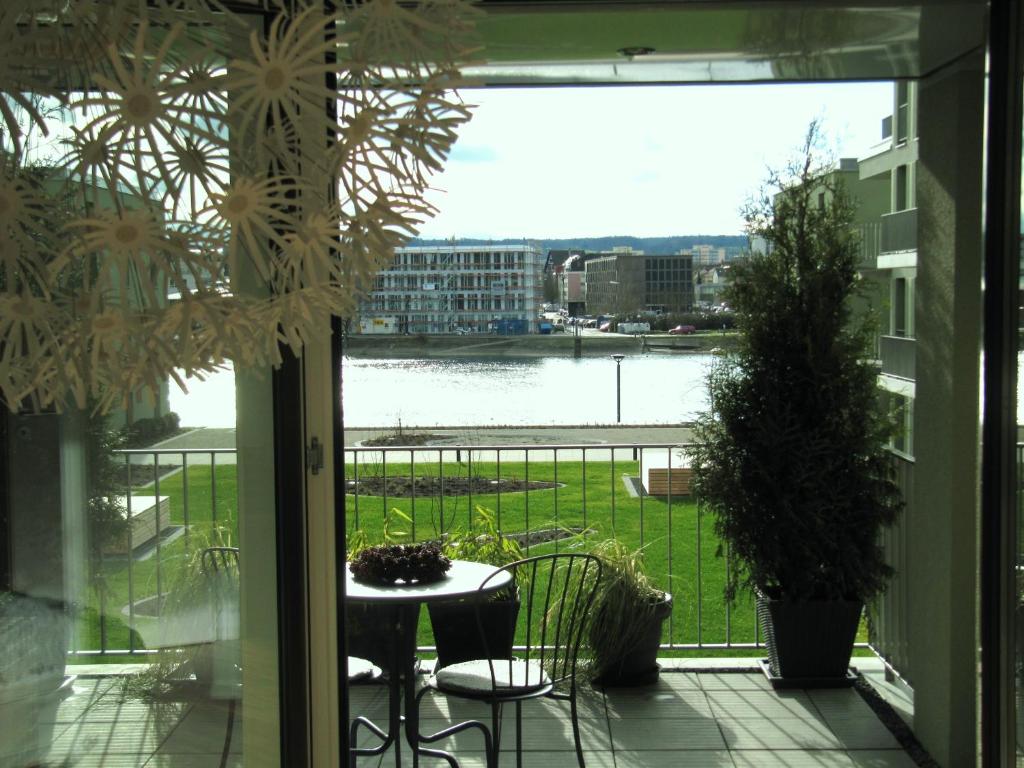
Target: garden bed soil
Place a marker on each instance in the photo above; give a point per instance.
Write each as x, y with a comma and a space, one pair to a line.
404, 487
402, 439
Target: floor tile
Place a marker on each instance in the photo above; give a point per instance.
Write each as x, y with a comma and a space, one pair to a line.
733, 681
675, 734
759, 758
777, 733
106, 761
762, 704
680, 681
840, 703
545, 735
870, 758
709, 758
164, 760
661, 704
863, 733
206, 729
89, 738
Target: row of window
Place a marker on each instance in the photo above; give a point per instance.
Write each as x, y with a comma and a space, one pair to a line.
440, 282
458, 303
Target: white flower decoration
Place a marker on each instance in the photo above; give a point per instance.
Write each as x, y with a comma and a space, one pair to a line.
198, 155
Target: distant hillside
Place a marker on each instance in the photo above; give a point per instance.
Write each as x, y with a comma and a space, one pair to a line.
732, 243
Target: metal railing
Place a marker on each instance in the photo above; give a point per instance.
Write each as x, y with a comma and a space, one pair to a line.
890, 623
899, 231
589, 487
551, 497
898, 356
127, 589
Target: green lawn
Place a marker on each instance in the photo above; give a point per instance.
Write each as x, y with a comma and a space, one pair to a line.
676, 537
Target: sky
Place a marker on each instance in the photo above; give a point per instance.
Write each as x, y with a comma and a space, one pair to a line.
644, 161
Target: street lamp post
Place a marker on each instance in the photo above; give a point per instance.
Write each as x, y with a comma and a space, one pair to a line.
618, 387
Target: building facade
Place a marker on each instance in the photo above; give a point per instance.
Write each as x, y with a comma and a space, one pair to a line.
628, 281
894, 247
444, 289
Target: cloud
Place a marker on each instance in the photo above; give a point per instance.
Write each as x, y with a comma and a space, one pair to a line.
644, 161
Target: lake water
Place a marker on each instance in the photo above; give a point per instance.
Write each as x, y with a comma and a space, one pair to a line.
656, 389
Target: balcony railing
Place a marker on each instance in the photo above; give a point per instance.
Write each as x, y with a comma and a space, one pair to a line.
870, 244
898, 355
899, 231
551, 497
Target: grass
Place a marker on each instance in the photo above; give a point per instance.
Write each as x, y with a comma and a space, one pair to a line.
678, 541
680, 547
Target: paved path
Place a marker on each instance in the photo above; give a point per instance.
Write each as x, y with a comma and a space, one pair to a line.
445, 440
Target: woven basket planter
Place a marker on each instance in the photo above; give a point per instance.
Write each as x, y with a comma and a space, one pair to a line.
811, 640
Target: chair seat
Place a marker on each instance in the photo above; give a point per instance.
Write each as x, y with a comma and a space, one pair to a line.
474, 677
361, 669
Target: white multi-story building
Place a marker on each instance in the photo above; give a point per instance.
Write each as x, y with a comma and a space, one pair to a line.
457, 288
896, 161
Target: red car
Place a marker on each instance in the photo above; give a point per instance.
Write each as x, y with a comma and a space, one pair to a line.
683, 329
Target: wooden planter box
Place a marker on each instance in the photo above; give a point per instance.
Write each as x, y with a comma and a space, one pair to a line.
665, 473
148, 519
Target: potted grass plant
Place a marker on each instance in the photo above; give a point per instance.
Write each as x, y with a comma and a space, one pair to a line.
454, 623
791, 457
626, 620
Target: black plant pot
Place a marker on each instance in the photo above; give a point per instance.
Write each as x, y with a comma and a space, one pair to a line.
809, 642
372, 634
457, 634
640, 666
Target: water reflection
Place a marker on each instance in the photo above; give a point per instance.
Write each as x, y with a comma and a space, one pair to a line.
459, 392
656, 389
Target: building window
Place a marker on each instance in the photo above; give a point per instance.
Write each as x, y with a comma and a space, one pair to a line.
902, 188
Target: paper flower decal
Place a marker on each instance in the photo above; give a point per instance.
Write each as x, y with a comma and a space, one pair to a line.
178, 190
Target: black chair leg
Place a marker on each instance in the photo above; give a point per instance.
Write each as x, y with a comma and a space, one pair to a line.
519, 734
576, 728
496, 715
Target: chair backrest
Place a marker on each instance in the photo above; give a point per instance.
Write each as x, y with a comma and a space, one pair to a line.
556, 594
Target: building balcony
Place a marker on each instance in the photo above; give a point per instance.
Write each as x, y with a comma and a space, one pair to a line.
897, 354
710, 707
899, 232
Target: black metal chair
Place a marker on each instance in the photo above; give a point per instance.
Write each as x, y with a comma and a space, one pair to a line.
556, 595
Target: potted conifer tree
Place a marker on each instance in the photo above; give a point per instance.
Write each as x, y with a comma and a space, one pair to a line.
791, 457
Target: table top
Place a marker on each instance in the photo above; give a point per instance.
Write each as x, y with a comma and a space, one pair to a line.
463, 578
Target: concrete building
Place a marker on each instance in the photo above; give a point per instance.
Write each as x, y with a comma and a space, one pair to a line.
630, 281
894, 248
441, 289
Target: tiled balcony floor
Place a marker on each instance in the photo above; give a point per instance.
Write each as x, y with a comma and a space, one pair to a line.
717, 720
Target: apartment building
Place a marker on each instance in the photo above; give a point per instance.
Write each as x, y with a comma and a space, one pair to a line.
450, 288
895, 249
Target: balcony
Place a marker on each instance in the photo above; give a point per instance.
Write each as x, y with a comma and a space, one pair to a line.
699, 717
897, 354
899, 231
697, 713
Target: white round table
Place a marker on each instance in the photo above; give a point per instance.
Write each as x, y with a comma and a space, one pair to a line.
464, 579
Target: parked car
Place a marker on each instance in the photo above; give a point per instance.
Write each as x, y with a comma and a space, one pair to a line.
461, 332
683, 329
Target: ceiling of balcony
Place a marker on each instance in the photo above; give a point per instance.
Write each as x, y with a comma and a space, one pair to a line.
691, 41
